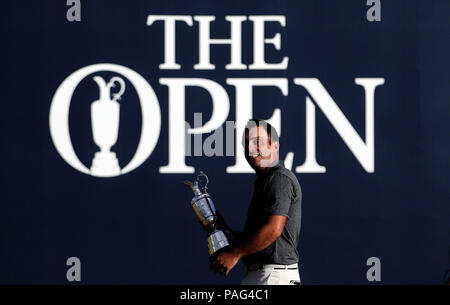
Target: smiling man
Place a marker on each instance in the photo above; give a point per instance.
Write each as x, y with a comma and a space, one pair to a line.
268, 244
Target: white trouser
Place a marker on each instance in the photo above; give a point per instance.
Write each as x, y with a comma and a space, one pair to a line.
271, 275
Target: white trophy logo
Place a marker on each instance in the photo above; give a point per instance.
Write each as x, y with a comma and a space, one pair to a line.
105, 114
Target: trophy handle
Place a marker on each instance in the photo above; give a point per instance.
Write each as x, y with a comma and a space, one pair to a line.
200, 174
117, 96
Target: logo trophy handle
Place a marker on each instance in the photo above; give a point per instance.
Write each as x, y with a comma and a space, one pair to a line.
218, 238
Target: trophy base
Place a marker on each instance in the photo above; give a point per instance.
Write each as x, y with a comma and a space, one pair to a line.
217, 241
105, 165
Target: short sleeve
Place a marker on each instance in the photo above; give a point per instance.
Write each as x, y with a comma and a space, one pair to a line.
279, 195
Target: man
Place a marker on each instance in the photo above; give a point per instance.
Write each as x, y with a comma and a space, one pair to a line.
268, 244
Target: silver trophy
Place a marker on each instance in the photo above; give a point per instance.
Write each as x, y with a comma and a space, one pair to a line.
203, 206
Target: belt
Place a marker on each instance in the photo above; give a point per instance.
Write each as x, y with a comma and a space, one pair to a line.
256, 267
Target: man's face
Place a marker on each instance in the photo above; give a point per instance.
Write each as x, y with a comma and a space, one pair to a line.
259, 152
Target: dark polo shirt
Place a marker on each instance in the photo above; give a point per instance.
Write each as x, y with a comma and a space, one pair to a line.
277, 192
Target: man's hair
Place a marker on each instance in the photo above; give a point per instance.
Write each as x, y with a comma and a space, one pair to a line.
271, 131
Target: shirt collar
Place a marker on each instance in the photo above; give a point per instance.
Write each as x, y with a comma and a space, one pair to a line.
274, 165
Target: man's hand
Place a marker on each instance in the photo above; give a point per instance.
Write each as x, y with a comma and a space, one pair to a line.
225, 261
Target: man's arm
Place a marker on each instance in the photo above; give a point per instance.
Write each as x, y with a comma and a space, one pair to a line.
263, 237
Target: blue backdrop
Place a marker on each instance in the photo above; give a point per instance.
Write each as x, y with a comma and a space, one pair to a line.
138, 228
